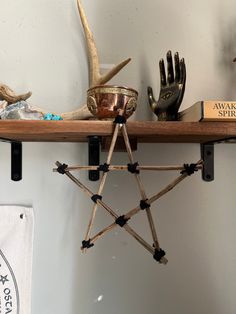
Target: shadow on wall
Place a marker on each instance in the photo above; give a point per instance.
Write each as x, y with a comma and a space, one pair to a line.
226, 52
144, 111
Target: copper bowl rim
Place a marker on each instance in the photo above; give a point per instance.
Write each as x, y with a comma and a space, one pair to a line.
112, 86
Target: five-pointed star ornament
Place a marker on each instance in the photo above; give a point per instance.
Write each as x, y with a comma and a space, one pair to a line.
145, 202
3, 279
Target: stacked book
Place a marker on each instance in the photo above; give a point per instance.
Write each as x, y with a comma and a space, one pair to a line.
209, 110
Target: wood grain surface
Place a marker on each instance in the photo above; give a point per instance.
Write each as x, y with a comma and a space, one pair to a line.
144, 131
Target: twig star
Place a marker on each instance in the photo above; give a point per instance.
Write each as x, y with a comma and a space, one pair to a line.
145, 202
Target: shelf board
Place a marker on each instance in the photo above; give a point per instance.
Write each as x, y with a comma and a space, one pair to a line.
144, 131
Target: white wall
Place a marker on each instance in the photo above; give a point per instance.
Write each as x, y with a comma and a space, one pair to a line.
43, 50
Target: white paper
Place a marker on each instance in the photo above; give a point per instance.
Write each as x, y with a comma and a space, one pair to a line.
16, 248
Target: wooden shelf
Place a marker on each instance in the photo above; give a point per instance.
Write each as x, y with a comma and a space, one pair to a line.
144, 131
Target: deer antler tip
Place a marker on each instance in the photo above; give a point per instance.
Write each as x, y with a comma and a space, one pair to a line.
127, 60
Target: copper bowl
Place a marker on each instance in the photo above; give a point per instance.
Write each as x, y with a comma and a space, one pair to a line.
106, 101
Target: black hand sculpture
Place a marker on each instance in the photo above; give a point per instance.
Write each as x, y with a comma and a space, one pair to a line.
172, 89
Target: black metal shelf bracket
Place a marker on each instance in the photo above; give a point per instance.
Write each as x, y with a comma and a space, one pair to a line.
94, 143
16, 159
207, 155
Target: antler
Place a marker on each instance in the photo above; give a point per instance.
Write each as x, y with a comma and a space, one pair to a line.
95, 77
6, 93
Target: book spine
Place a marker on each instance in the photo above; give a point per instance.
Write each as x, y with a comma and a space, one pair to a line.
219, 110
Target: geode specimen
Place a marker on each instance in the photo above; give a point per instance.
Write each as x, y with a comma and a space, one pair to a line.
20, 111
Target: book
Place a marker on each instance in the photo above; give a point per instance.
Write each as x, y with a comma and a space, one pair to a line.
209, 110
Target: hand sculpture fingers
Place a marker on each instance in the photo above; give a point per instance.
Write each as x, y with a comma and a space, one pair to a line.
177, 68
182, 72
170, 69
162, 73
151, 99
182, 81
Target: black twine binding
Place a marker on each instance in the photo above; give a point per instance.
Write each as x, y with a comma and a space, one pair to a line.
121, 221
104, 167
87, 244
61, 169
96, 197
144, 204
189, 169
133, 168
120, 119
159, 254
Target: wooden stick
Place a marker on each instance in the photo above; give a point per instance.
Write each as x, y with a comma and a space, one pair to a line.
88, 192
168, 188
103, 232
139, 239
125, 168
141, 189
102, 182
76, 181
130, 231
144, 243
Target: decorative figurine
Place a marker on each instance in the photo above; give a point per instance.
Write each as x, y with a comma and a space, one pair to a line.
105, 101
171, 91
